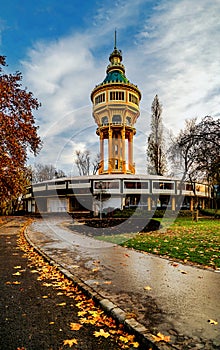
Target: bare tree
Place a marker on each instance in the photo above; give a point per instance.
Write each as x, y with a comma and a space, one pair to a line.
96, 164
83, 162
155, 149
196, 151
41, 172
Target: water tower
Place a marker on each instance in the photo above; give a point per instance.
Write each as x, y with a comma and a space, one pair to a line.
115, 110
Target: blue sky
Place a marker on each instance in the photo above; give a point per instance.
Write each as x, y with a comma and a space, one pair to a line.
170, 48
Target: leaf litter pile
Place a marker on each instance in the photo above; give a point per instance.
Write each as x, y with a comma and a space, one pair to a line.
89, 316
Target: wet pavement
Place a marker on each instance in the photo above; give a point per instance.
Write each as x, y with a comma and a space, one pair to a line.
174, 299
39, 308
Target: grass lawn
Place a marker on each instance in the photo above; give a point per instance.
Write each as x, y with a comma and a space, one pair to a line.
189, 241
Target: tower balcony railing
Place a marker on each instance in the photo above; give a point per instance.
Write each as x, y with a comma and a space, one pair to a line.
117, 124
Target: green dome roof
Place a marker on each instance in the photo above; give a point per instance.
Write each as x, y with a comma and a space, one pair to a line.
115, 76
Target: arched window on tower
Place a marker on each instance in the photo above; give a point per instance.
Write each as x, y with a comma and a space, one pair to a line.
128, 120
116, 119
105, 120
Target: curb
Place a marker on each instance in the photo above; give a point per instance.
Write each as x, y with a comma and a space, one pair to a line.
143, 336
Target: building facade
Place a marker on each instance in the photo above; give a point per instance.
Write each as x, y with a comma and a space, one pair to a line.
95, 193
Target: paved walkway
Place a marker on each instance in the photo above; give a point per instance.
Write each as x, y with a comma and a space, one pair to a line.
174, 299
38, 307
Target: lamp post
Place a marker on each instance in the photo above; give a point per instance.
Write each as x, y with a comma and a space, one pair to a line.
100, 186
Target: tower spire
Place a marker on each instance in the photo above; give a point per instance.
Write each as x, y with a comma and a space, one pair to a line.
115, 39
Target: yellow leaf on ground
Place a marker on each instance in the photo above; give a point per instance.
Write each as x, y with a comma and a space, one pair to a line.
123, 339
96, 269
95, 313
61, 304
47, 284
147, 288
82, 313
75, 326
161, 337
44, 296
16, 282
70, 342
135, 344
213, 322
17, 267
16, 274
101, 333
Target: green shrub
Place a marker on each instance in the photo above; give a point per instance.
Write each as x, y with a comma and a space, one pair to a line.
211, 212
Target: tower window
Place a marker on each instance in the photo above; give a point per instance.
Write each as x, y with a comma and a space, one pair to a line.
128, 120
105, 120
100, 98
133, 99
116, 119
117, 95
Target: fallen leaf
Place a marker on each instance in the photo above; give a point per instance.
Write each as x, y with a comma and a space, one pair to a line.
75, 266
95, 313
161, 337
175, 264
127, 255
70, 342
183, 272
47, 284
16, 274
108, 282
147, 288
123, 339
59, 293
213, 322
96, 269
17, 267
101, 333
44, 296
61, 304
75, 326
135, 344
81, 313
16, 282
52, 322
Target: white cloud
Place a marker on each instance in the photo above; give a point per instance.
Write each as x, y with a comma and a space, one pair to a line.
173, 53
182, 39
